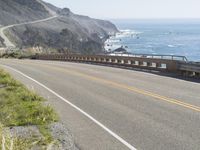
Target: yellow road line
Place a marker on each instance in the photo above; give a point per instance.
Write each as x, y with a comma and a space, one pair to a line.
123, 86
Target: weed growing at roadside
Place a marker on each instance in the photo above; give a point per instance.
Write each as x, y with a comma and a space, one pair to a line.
21, 107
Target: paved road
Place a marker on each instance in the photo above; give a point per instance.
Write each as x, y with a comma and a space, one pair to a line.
149, 112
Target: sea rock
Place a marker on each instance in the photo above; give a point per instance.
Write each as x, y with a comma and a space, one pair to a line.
120, 50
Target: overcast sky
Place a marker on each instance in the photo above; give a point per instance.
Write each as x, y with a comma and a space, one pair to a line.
133, 9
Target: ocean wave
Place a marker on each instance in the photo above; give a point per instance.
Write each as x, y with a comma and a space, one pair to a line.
116, 41
149, 46
112, 41
127, 33
171, 46
130, 31
112, 47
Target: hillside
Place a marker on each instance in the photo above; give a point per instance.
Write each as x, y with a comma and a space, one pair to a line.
67, 31
16, 11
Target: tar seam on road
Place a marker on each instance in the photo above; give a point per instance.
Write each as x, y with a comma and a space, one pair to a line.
130, 88
77, 108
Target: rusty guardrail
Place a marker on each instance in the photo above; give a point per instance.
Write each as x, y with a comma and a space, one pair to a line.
135, 62
157, 56
158, 64
189, 68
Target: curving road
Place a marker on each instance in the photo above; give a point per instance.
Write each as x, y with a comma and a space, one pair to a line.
7, 41
139, 110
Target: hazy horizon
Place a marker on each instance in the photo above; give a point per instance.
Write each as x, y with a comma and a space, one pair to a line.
133, 9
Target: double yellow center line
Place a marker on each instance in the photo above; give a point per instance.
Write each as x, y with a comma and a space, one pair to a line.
126, 87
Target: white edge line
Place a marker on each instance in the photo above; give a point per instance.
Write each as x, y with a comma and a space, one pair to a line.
77, 108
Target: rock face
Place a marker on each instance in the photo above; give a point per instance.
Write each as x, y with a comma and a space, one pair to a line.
69, 31
16, 11
120, 50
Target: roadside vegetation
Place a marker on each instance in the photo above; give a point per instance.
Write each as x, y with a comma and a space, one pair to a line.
18, 54
28, 52
21, 107
12, 143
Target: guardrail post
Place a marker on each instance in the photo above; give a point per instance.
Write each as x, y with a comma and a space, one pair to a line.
140, 63
198, 74
63, 57
189, 73
149, 64
158, 65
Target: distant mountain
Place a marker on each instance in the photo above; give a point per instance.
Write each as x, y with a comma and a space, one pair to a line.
67, 31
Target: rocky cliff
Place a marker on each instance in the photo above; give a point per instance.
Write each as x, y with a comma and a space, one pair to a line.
67, 31
16, 11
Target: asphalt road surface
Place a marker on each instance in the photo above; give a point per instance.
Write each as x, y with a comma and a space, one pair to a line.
115, 109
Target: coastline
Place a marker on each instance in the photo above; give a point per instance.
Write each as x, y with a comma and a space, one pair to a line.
157, 39
116, 41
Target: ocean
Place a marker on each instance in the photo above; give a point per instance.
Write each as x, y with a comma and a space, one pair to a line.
170, 37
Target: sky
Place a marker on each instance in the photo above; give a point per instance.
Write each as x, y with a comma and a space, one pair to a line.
132, 9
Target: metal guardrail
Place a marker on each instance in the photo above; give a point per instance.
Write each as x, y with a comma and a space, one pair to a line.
125, 61
190, 68
148, 63
156, 56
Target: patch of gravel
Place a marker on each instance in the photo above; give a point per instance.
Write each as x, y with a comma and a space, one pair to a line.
31, 133
25, 132
63, 139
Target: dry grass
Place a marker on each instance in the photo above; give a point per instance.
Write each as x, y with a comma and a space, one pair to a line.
12, 143
21, 107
